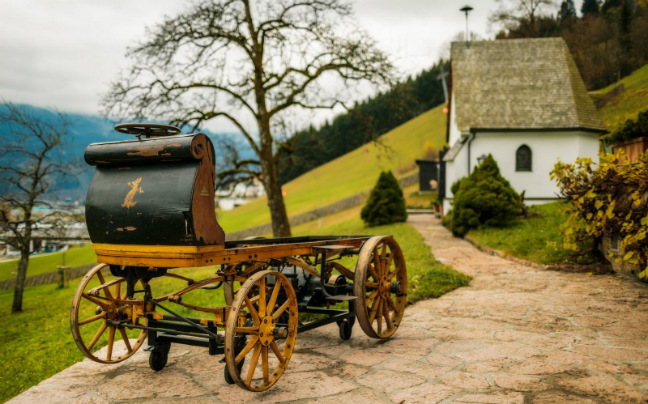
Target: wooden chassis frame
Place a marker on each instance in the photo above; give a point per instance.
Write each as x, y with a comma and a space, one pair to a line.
231, 253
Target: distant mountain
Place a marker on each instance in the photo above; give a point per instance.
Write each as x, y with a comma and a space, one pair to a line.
86, 129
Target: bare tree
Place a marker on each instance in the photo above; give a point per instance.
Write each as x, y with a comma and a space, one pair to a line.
30, 163
522, 17
247, 62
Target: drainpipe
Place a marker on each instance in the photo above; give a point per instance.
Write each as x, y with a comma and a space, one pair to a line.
470, 139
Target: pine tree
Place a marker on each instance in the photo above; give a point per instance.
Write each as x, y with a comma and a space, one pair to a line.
567, 11
386, 203
590, 7
610, 4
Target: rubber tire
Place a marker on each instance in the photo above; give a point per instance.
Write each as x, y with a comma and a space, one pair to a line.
158, 360
345, 329
159, 357
239, 348
228, 377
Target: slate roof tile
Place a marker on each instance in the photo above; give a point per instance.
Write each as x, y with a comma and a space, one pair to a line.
520, 84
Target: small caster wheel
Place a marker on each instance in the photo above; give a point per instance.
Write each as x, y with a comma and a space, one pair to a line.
159, 357
345, 328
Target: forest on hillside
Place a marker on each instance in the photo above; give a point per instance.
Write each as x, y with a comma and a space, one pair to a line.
363, 123
608, 40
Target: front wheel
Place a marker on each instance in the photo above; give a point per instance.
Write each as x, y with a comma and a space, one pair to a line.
255, 315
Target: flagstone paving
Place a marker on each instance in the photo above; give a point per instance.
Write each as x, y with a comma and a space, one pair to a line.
515, 335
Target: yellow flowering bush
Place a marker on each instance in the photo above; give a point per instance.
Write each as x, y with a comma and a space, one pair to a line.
608, 199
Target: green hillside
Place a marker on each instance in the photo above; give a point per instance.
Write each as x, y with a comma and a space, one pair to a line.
627, 104
347, 175
40, 264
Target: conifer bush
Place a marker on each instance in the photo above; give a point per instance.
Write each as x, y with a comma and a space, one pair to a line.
484, 198
386, 203
632, 129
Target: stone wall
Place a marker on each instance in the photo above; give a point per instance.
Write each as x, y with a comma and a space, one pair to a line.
609, 247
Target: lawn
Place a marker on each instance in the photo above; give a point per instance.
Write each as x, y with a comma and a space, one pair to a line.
536, 238
418, 200
355, 172
37, 343
39, 264
427, 277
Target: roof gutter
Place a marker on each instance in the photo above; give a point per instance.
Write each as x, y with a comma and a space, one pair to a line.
564, 129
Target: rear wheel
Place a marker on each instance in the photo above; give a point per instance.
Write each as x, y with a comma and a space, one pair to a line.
100, 298
381, 287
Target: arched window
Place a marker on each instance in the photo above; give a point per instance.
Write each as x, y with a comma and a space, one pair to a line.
523, 158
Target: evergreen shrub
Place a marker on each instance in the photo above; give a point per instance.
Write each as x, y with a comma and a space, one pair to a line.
484, 198
632, 129
386, 203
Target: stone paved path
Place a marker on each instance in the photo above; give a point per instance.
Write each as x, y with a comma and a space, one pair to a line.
516, 335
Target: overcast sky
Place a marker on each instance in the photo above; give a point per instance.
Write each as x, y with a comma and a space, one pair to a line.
63, 53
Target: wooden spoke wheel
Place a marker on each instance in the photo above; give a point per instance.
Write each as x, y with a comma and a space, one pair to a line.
98, 298
381, 287
268, 344
232, 286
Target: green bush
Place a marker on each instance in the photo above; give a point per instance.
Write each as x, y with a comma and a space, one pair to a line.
386, 203
484, 198
632, 129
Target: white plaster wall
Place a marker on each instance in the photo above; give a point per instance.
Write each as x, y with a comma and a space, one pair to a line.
588, 148
546, 148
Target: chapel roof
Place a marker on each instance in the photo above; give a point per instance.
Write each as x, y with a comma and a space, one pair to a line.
520, 84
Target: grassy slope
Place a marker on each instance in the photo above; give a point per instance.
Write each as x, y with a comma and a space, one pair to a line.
32, 349
628, 104
347, 175
38, 264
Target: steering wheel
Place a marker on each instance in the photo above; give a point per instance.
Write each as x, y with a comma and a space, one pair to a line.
147, 129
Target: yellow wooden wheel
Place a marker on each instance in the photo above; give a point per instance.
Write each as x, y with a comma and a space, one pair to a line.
265, 345
232, 284
98, 298
381, 287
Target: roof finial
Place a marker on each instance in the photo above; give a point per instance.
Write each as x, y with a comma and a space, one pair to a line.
466, 10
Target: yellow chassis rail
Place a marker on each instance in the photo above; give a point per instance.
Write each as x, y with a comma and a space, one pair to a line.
198, 256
